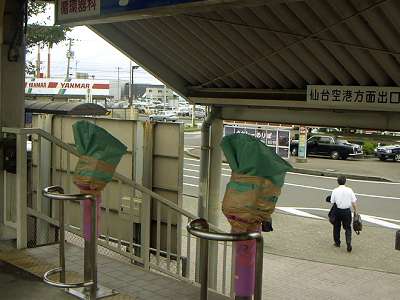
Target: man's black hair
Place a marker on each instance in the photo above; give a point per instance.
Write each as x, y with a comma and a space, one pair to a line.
341, 180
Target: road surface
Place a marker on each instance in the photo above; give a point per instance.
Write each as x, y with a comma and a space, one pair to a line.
304, 195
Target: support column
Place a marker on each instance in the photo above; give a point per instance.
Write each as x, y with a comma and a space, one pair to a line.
12, 80
214, 201
207, 189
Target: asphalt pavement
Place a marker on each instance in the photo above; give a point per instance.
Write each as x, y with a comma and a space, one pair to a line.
302, 230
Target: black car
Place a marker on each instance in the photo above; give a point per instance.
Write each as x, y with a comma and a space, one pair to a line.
388, 152
328, 146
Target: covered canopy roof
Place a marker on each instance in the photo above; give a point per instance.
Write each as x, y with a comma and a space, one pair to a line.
243, 55
267, 48
64, 108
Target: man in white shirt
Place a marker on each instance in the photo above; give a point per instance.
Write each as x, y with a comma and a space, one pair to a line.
344, 198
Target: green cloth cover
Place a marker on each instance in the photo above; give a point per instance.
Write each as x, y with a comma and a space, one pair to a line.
248, 155
94, 141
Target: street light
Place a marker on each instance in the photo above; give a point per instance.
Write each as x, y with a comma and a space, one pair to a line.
131, 94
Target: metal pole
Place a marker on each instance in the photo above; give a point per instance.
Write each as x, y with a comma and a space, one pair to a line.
62, 241
259, 268
200, 229
93, 250
204, 269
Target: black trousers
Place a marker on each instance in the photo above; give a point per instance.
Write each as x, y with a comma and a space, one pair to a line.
343, 217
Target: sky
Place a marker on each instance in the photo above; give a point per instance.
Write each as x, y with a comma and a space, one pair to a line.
92, 55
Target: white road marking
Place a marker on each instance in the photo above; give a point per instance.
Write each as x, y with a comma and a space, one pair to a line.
384, 222
310, 187
189, 184
310, 175
324, 189
198, 160
190, 170
335, 178
300, 213
193, 165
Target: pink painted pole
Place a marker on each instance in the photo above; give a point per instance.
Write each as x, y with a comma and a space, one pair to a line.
87, 218
245, 268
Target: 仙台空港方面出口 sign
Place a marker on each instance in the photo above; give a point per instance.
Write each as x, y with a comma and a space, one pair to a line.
354, 97
81, 10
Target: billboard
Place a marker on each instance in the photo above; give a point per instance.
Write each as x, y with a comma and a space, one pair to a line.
72, 87
277, 138
81, 10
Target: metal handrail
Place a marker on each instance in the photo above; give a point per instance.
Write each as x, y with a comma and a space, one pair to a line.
116, 176
62, 284
57, 193
50, 192
201, 229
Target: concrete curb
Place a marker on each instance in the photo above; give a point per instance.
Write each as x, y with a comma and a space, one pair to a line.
336, 174
319, 172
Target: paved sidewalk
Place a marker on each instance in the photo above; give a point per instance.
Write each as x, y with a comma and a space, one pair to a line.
18, 284
300, 262
367, 169
131, 281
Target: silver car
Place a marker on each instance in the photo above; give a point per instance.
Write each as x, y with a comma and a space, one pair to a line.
163, 117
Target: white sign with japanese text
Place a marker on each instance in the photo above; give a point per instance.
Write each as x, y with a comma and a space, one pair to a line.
354, 97
277, 138
77, 9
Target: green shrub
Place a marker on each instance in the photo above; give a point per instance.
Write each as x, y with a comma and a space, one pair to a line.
369, 147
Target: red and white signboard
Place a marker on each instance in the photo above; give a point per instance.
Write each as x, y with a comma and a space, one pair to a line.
73, 87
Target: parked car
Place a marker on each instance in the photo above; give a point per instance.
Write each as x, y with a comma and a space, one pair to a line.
199, 113
164, 117
184, 111
328, 146
388, 152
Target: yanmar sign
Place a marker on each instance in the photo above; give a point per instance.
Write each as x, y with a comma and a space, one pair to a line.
74, 87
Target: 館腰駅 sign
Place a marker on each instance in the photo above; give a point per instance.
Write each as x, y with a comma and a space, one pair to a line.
354, 97
80, 10
73, 87
277, 138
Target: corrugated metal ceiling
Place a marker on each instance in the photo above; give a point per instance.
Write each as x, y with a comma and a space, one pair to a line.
271, 46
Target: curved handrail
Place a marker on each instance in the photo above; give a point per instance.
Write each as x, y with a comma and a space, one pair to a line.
57, 193
61, 284
200, 229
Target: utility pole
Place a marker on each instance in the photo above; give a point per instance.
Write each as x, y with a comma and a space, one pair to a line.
193, 115
38, 63
165, 96
49, 61
119, 91
131, 84
70, 55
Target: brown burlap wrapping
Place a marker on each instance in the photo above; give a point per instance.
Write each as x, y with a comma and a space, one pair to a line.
248, 201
